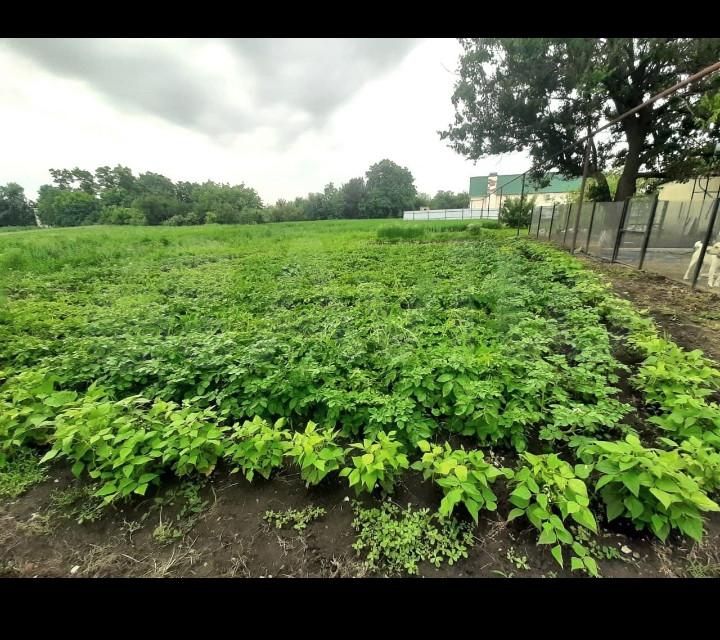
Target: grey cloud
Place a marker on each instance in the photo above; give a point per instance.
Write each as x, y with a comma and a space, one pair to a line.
290, 80
318, 75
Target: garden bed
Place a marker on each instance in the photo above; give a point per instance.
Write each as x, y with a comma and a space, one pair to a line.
492, 383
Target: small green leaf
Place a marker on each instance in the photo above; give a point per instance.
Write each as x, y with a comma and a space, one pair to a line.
49, 455
547, 536
106, 490
665, 498
515, 513
582, 471
585, 518
557, 554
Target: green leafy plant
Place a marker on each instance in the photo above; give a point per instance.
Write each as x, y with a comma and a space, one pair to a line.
78, 503
516, 212
126, 448
380, 462
298, 518
257, 447
518, 561
648, 486
678, 382
28, 405
191, 507
465, 477
315, 452
396, 540
547, 491
700, 460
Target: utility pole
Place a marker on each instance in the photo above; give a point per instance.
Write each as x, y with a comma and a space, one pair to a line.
586, 162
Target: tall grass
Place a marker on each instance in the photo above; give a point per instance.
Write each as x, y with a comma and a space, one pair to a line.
45, 251
405, 232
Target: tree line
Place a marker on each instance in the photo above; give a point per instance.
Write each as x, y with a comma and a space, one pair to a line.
117, 196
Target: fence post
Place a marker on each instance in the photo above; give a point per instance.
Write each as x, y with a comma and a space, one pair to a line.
529, 223
552, 219
537, 235
648, 231
592, 218
567, 222
706, 242
616, 247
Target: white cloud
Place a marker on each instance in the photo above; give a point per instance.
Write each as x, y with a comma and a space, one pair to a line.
285, 119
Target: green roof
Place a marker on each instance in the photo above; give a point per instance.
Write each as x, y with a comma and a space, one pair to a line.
478, 186
558, 184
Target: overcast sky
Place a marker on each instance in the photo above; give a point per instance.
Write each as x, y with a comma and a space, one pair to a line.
283, 116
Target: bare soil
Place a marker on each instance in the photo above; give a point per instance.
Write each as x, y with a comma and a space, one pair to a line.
231, 539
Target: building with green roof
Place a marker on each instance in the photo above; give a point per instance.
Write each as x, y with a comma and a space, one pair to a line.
496, 189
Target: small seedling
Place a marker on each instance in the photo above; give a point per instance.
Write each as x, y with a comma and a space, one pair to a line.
299, 519
520, 562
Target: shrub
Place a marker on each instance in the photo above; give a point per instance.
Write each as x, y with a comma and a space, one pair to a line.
381, 462
515, 213
183, 219
29, 403
464, 476
114, 214
701, 461
257, 447
678, 382
127, 449
250, 216
648, 486
315, 452
546, 490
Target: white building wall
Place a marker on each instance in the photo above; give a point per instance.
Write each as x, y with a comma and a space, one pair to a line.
541, 199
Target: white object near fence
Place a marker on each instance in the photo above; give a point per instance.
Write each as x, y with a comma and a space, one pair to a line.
452, 214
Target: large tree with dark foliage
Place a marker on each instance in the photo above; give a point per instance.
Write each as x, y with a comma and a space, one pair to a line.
353, 193
450, 200
390, 189
15, 210
541, 94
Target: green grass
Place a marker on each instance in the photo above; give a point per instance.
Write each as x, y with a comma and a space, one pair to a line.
4, 230
20, 473
408, 231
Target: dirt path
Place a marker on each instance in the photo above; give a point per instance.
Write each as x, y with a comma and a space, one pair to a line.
690, 316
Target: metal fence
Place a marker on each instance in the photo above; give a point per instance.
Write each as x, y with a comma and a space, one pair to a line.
679, 240
452, 214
